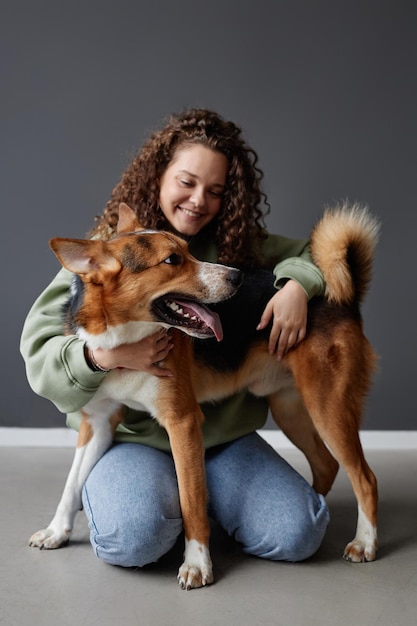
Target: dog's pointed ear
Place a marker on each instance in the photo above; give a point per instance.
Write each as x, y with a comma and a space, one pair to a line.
84, 257
128, 221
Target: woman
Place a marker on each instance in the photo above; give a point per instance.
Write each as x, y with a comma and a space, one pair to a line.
198, 178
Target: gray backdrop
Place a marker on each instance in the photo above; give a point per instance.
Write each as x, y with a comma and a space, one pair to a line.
325, 91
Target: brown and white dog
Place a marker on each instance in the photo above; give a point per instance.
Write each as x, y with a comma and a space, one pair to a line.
141, 280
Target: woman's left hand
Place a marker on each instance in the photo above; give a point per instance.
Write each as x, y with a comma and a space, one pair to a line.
288, 308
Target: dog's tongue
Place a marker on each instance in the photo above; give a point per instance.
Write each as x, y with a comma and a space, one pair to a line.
210, 318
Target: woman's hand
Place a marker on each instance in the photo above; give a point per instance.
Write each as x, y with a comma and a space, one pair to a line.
288, 308
142, 356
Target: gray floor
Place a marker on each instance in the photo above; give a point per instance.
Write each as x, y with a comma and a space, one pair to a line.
71, 586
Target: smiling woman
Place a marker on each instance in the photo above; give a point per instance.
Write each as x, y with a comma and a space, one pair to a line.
237, 221
192, 188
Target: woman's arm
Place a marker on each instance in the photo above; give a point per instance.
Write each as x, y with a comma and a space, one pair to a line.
290, 259
56, 367
297, 280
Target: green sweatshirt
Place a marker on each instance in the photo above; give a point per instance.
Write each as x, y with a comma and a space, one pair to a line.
56, 367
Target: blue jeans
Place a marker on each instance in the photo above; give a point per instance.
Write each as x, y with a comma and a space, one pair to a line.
132, 504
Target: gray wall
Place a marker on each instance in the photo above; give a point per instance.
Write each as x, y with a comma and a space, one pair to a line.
325, 91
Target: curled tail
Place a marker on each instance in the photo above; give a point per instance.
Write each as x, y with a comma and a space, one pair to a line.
343, 246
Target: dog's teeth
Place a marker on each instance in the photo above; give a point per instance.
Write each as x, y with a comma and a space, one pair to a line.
180, 311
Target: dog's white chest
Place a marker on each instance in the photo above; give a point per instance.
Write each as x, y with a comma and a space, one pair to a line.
137, 390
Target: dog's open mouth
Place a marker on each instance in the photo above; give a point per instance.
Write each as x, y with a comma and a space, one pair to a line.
195, 318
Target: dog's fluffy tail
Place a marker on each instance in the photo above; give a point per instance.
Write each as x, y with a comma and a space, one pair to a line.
343, 245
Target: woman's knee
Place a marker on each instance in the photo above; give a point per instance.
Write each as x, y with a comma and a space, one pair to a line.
132, 505
292, 538
277, 515
133, 543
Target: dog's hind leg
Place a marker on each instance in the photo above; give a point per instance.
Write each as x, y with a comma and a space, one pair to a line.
348, 450
94, 438
290, 414
334, 397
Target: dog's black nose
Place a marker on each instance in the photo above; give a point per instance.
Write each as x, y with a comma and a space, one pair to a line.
235, 277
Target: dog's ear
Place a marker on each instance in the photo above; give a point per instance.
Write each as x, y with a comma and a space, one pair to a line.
84, 257
128, 221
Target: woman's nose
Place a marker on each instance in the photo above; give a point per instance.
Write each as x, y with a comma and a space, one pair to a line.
197, 197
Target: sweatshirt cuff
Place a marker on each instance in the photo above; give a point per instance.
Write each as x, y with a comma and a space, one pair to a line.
77, 368
306, 274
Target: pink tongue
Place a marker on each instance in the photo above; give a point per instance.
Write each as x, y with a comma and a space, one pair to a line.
210, 318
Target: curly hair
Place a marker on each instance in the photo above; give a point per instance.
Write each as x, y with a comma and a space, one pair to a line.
238, 227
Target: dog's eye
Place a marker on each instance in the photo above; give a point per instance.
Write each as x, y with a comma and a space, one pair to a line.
173, 259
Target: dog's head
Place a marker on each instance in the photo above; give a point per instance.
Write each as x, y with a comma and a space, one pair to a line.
142, 276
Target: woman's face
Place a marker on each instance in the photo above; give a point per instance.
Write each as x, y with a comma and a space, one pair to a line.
192, 188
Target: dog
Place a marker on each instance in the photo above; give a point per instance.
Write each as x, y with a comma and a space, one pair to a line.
130, 286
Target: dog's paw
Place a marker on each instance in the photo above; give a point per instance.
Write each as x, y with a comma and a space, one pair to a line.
192, 577
197, 570
49, 539
360, 552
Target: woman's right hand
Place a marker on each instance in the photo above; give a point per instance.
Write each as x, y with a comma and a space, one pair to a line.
143, 356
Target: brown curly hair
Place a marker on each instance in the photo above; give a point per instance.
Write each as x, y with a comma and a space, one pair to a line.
239, 225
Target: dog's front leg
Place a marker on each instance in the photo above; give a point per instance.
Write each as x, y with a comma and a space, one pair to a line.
94, 438
186, 440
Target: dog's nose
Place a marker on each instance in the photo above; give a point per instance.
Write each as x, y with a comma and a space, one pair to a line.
234, 277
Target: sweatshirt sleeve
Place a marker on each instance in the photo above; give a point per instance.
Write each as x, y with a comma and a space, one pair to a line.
291, 260
55, 364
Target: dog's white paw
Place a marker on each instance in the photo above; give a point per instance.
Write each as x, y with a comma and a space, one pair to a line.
192, 577
360, 552
197, 570
49, 538
364, 546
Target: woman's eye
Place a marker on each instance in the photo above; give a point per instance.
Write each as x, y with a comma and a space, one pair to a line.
186, 183
173, 259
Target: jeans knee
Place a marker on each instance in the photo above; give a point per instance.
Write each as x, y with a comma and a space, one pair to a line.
294, 539
302, 542
136, 544
134, 517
